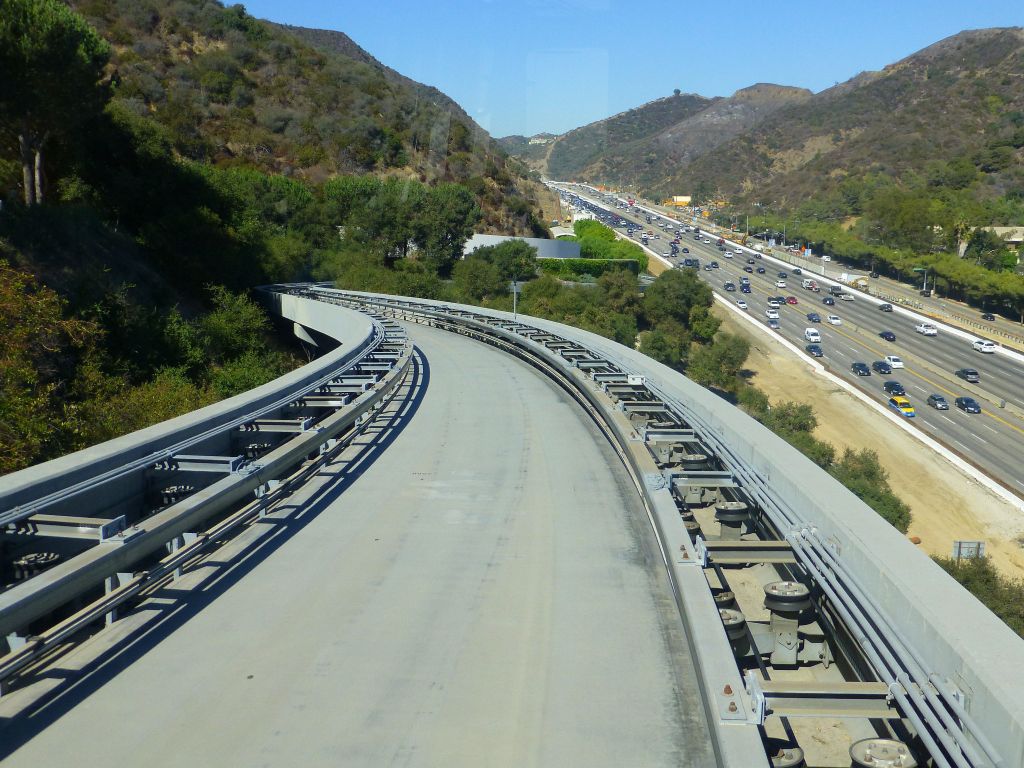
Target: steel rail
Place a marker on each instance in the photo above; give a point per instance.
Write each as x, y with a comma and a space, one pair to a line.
35, 506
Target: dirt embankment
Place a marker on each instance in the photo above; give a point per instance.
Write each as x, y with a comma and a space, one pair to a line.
946, 503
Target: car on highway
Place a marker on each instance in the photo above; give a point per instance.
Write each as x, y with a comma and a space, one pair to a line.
887, 335
773, 324
873, 274
813, 317
773, 303
730, 286
741, 303
814, 350
749, 269
791, 300
885, 307
969, 375
780, 283
707, 267
750, 261
968, 405
828, 301
714, 265
938, 402
745, 288
902, 406
846, 297
861, 369
926, 329
986, 346
771, 314
782, 275
988, 316
760, 270
797, 271
894, 361
882, 367
834, 320
812, 335
686, 250
894, 388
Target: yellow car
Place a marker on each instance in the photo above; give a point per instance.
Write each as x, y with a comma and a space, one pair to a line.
902, 406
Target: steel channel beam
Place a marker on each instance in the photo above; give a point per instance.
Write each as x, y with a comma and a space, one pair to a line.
36, 597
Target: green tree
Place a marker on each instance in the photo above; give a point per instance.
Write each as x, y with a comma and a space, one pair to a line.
444, 223
514, 259
673, 295
990, 251
719, 364
35, 347
50, 63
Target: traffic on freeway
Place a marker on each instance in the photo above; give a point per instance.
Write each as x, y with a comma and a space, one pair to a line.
961, 393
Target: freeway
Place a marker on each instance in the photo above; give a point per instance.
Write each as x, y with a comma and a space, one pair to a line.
503, 601
990, 440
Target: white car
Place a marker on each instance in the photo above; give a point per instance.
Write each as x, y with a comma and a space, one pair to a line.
780, 283
986, 346
927, 329
728, 254
894, 361
834, 320
741, 303
846, 297
771, 314
773, 303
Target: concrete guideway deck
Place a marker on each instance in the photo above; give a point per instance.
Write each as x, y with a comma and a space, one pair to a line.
486, 591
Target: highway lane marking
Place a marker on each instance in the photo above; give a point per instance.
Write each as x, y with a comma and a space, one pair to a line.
991, 428
947, 418
925, 379
979, 437
961, 445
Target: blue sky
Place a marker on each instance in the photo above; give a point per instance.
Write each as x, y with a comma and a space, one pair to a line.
527, 66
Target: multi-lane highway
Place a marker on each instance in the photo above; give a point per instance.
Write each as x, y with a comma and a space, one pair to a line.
991, 440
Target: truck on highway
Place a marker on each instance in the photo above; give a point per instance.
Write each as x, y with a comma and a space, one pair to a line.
721, 241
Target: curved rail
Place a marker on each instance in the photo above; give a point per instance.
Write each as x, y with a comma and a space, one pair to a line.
952, 670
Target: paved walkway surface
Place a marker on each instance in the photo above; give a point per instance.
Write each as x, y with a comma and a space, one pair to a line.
484, 593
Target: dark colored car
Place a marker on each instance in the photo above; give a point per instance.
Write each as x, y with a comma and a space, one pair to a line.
969, 375
745, 288
750, 261
968, 405
760, 270
829, 301
885, 307
797, 271
988, 316
707, 267
882, 367
686, 250
926, 293
888, 335
714, 265
814, 350
861, 369
813, 317
894, 388
730, 287
749, 269
938, 402
782, 275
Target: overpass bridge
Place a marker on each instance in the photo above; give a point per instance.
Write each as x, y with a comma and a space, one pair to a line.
459, 537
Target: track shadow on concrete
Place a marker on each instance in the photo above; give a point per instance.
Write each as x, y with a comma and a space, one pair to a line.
73, 687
